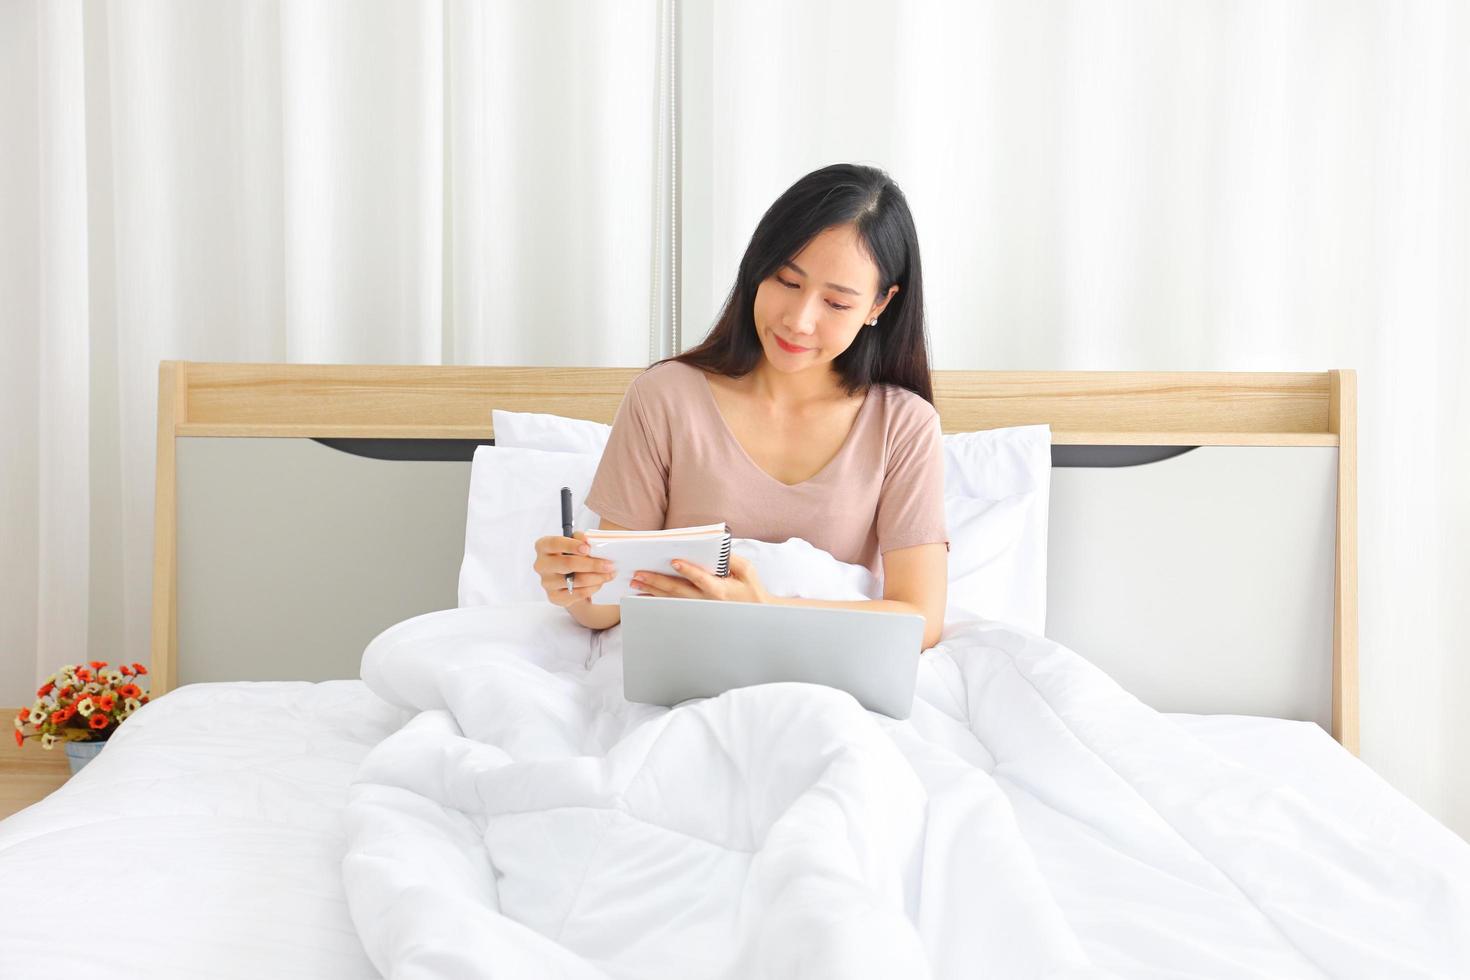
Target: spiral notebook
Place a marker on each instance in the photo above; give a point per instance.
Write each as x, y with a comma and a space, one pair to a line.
654, 551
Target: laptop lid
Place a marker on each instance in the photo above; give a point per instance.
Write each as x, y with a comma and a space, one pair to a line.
676, 649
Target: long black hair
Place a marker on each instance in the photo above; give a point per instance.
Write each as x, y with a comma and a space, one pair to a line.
895, 350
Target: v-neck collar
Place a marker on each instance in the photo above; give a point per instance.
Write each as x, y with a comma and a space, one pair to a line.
714, 407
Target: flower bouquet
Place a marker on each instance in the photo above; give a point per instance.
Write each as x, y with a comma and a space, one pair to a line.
82, 704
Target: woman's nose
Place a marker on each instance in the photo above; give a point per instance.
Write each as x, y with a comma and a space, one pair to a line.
800, 318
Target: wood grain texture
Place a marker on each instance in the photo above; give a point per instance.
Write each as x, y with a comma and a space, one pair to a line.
1060, 437
172, 410
29, 773
1123, 402
417, 401
1343, 415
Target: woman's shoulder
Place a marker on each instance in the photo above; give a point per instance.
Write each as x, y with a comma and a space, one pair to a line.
665, 388
667, 376
906, 414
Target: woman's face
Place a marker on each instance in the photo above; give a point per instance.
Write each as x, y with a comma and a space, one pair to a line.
811, 309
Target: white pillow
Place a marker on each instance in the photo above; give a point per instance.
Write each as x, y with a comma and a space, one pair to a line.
997, 496
515, 498
997, 493
554, 433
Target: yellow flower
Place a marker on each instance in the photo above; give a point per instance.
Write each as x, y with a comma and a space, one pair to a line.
84, 708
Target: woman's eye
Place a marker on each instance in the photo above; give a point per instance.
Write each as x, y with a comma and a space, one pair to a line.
793, 285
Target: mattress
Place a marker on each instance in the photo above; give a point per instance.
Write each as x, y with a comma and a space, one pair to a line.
204, 841
1301, 754
217, 816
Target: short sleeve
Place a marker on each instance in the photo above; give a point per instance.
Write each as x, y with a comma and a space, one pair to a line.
911, 502
631, 487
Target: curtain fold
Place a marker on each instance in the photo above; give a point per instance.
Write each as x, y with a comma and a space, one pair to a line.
303, 181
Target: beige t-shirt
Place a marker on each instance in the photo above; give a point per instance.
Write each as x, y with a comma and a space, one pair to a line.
671, 461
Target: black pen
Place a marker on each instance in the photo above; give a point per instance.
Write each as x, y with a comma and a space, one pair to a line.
566, 523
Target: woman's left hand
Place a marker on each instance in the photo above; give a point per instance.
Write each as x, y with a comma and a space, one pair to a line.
741, 585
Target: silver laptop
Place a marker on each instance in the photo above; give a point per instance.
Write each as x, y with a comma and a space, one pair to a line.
677, 649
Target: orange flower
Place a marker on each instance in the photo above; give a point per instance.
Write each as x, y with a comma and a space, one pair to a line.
98, 720
24, 714
19, 738
84, 675
67, 691
106, 701
57, 717
130, 691
46, 689
140, 668
97, 664
69, 710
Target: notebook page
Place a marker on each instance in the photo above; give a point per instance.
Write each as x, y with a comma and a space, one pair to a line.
653, 552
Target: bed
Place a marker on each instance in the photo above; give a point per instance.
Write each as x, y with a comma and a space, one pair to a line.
1037, 817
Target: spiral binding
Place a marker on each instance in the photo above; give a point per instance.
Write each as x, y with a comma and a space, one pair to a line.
722, 567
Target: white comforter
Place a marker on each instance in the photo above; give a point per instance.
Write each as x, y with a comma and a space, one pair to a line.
1031, 819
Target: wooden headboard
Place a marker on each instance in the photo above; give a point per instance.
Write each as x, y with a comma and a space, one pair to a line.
448, 402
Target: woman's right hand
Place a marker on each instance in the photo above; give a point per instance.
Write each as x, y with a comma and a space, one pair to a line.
556, 556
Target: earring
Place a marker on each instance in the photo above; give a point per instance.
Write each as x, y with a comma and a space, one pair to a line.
873, 322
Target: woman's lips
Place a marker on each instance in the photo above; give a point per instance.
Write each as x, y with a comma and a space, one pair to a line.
791, 348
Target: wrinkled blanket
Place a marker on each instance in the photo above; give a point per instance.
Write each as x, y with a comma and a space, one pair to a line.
1031, 819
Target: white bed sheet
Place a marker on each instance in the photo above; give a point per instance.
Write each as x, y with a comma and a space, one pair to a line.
205, 841
219, 809
1302, 754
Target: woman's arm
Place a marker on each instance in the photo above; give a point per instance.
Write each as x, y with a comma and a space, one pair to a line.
915, 580
594, 616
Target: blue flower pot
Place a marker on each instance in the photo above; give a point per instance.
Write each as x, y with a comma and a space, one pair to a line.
78, 754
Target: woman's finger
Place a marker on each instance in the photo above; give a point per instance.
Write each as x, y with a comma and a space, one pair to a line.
561, 564
581, 580
703, 580
665, 585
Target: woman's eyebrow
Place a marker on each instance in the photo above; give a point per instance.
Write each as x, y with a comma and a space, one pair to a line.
829, 285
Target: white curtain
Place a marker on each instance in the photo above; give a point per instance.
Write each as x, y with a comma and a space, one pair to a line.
1255, 186
456, 182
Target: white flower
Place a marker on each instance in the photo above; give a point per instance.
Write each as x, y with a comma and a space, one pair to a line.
132, 704
48, 740
111, 675
20, 723
37, 716
85, 707
92, 688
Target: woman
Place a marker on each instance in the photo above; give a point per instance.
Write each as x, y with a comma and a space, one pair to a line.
807, 412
